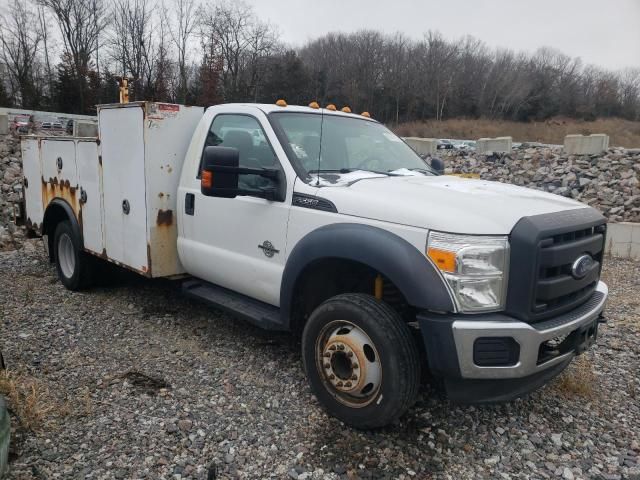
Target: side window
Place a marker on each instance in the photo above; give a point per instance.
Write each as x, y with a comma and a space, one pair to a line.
245, 134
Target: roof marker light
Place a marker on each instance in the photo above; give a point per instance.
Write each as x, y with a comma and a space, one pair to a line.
314, 105
345, 109
331, 107
281, 103
366, 114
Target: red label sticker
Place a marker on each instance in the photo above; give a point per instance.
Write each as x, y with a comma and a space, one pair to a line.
167, 107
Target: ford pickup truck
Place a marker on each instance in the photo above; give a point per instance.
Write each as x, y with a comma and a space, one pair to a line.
324, 223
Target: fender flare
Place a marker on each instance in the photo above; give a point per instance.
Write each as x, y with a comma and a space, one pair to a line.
75, 226
392, 256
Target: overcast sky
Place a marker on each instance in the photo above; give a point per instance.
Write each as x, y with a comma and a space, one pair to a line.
602, 32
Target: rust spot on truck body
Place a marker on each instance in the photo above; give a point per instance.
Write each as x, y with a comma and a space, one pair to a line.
165, 218
62, 189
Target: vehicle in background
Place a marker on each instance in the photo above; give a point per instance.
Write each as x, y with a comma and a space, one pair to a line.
22, 124
69, 128
45, 126
444, 144
335, 229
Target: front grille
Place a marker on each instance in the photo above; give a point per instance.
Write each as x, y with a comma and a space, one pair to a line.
543, 250
556, 288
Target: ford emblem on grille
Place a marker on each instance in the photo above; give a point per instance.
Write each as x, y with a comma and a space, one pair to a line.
582, 266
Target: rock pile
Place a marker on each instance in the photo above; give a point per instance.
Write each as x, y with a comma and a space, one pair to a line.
609, 182
10, 187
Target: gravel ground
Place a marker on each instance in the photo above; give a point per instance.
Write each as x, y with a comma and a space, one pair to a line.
134, 381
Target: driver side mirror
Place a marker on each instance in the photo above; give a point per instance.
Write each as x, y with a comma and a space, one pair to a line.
221, 170
219, 176
437, 164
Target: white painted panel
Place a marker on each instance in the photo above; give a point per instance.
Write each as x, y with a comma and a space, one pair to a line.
122, 150
168, 132
33, 182
54, 150
89, 175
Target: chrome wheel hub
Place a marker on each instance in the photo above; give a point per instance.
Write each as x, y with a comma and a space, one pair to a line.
349, 363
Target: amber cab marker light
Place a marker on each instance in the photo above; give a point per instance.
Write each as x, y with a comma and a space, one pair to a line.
206, 181
331, 107
444, 260
314, 105
281, 103
346, 110
366, 114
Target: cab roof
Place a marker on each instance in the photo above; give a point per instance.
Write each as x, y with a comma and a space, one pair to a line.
272, 107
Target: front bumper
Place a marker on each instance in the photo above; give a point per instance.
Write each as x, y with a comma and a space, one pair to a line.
498, 357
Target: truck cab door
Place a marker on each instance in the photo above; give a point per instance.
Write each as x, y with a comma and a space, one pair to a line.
237, 243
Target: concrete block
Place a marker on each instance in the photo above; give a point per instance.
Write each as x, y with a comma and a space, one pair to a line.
494, 145
586, 144
85, 129
4, 124
623, 240
422, 146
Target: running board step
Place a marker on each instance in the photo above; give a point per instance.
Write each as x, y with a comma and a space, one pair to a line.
254, 311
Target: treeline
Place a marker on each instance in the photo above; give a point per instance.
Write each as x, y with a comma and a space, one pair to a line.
68, 55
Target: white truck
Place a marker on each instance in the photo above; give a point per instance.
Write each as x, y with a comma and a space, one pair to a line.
326, 224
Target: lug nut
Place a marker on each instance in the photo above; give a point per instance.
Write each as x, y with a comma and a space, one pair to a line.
349, 354
354, 366
332, 347
327, 354
326, 365
339, 384
332, 376
340, 347
354, 377
347, 384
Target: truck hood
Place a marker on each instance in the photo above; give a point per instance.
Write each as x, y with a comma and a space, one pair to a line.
445, 203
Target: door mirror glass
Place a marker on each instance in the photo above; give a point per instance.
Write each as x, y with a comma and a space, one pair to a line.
220, 172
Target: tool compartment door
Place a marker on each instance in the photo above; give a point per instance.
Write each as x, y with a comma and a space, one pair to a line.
122, 150
32, 183
90, 194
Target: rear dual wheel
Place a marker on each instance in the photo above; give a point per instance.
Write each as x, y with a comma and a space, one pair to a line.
361, 360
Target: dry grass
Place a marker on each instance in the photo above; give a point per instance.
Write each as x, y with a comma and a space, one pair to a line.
29, 401
622, 133
577, 380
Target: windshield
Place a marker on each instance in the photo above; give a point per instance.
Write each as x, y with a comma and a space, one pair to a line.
348, 145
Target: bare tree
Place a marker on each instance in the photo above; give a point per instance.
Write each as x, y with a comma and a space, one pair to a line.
20, 39
131, 41
181, 26
81, 22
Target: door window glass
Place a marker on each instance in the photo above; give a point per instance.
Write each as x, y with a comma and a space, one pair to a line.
245, 134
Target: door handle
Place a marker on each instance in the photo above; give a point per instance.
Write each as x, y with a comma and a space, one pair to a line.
189, 203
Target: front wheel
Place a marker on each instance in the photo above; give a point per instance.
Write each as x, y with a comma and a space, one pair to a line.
74, 266
361, 360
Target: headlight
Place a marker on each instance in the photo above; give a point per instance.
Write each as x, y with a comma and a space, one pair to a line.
475, 267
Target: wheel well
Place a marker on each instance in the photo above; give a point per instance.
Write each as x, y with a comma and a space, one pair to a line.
329, 277
54, 214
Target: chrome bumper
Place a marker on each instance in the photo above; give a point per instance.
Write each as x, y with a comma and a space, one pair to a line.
529, 337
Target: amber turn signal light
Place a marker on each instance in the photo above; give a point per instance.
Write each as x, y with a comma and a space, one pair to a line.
444, 260
331, 107
206, 180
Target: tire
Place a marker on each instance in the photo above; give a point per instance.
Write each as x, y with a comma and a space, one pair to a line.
361, 360
74, 266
